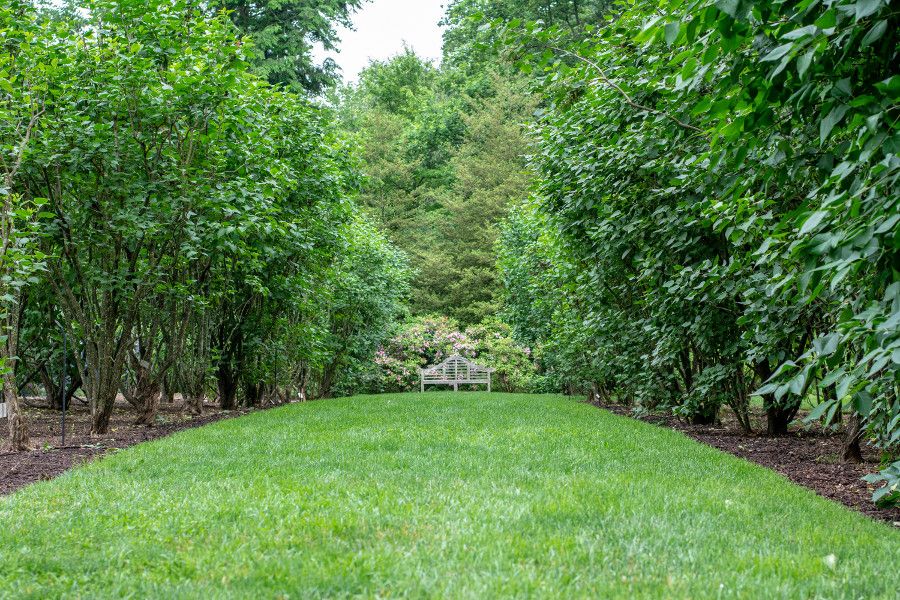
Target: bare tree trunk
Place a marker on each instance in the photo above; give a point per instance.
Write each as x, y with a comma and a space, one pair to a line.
192, 404
852, 435
54, 392
326, 383
778, 418
150, 409
302, 381
148, 394
166, 390
102, 399
227, 385
253, 393
18, 426
102, 377
740, 400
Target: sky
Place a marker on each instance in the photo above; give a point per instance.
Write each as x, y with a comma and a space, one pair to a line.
381, 27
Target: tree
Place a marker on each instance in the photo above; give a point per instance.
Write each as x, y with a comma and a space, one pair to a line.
472, 47
170, 169
458, 275
24, 68
284, 34
725, 176
124, 158
370, 290
442, 166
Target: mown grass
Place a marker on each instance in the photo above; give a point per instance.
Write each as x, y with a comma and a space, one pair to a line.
435, 495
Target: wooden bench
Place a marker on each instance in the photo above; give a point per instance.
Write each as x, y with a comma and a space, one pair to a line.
454, 371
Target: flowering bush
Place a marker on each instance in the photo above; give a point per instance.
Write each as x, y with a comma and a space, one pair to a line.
427, 341
513, 364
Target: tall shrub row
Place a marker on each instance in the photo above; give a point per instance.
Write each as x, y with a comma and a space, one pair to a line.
716, 210
186, 226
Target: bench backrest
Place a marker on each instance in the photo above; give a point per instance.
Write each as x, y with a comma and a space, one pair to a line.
456, 369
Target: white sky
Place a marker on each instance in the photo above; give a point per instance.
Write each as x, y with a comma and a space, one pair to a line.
382, 26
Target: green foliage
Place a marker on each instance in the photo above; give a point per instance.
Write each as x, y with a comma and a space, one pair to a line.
470, 45
442, 167
495, 348
21, 263
426, 341
414, 495
370, 290
723, 177
284, 34
23, 94
200, 228
887, 483
421, 342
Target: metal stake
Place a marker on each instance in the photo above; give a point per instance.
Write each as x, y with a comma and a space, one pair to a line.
63, 386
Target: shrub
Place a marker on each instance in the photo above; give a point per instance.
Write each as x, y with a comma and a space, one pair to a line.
424, 341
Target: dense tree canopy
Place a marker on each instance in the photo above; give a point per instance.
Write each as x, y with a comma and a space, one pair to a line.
468, 43
284, 34
721, 201
188, 225
444, 160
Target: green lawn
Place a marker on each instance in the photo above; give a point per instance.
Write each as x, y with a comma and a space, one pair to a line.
438, 495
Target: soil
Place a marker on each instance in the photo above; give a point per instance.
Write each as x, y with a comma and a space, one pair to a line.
48, 458
808, 457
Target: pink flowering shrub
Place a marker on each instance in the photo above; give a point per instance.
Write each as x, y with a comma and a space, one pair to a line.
514, 368
427, 341
422, 341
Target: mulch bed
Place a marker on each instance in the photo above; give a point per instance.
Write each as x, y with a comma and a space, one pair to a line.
47, 459
811, 458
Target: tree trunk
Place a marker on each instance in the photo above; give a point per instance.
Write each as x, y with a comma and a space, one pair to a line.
52, 388
101, 410
192, 404
166, 392
778, 418
852, 435
739, 402
227, 384
742, 415
253, 393
147, 396
326, 382
594, 394
149, 410
18, 426
101, 386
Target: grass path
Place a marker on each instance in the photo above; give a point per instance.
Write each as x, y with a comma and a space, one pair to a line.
436, 495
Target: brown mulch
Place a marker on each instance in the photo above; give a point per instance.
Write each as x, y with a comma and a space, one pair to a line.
47, 459
811, 458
